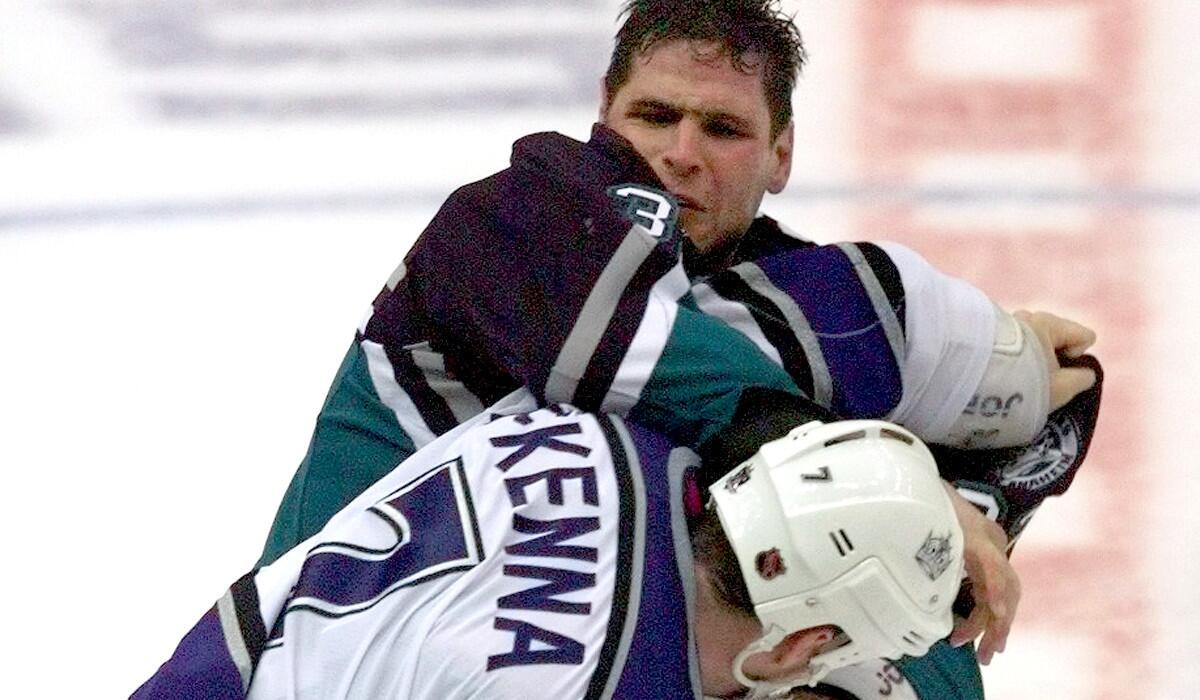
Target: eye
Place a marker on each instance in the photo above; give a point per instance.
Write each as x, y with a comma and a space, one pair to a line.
653, 113
656, 116
724, 130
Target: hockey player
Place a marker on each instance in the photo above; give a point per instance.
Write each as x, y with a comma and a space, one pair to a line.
546, 554
533, 278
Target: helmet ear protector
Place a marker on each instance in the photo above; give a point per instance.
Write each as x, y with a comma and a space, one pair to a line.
845, 524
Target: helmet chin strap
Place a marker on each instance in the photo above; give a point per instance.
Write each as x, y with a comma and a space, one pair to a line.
811, 675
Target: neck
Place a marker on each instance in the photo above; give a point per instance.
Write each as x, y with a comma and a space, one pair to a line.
713, 257
721, 634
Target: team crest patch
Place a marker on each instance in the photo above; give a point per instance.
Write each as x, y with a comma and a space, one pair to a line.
1048, 459
769, 564
935, 555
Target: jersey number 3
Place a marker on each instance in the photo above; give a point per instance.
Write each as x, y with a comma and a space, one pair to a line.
654, 210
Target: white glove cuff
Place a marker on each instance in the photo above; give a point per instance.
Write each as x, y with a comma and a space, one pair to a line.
1010, 405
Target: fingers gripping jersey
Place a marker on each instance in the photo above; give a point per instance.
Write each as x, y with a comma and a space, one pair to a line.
1008, 485
535, 555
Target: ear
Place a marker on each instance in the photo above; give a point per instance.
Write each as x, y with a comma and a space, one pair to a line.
790, 656
783, 147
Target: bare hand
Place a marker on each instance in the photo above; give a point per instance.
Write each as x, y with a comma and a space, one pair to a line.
995, 586
1064, 337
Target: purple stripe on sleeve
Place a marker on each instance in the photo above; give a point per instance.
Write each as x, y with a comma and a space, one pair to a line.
199, 669
823, 283
657, 662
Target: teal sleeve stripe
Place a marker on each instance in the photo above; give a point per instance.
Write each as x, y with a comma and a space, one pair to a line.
356, 441
945, 673
686, 398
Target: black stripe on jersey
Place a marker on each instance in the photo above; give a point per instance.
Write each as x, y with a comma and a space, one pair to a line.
624, 565
832, 692
245, 602
480, 376
470, 506
888, 276
774, 326
766, 238
618, 336
434, 410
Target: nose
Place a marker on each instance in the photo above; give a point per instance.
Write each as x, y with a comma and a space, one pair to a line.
682, 156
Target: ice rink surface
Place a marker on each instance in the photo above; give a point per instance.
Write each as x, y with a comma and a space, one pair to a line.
199, 198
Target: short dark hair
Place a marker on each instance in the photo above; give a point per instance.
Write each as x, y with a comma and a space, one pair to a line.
744, 27
711, 549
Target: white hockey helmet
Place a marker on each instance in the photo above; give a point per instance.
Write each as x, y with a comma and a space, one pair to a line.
844, 524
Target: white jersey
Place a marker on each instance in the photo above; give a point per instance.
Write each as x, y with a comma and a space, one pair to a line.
536, 555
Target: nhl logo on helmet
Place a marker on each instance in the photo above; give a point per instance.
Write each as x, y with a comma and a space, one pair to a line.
769, 564
934, 556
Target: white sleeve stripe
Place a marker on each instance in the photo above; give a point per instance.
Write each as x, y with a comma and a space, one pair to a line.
235, 644
597, 312
735, 315
649, 342
362, 325
758, 281
383, 377
463, 403
398, 274
950, 330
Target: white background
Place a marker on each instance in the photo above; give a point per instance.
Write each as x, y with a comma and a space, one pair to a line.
177, 287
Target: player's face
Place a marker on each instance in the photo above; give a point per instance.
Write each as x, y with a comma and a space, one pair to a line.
705, 128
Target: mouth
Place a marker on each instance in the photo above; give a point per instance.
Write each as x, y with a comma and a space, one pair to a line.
687, 202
